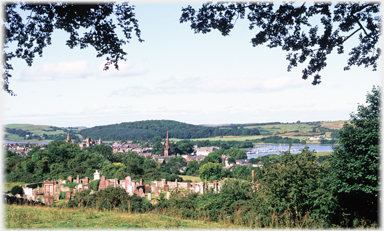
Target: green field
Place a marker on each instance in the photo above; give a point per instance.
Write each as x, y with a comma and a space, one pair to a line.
32, 217
192, 178
283, 128
9, 185
35, 129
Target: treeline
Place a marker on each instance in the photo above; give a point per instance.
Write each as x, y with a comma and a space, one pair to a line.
60, 160
147, 130
277, 140
63, 136
19, 132
224, 144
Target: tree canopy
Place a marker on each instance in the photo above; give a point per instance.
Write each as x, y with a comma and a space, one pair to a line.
32, 31
308, 32
355, 162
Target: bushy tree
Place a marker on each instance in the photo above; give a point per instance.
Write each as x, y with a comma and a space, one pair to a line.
355, 162
210, 171
174, 165
158, 148
297, 184
17, 190
115, 170
192, 168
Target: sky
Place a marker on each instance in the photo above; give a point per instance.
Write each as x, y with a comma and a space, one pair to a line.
176, 74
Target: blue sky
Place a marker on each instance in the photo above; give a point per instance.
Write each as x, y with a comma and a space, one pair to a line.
178, 75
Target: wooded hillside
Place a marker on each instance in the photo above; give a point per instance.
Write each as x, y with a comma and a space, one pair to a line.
148, 129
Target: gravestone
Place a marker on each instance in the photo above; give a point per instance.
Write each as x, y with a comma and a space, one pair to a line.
147, 188
149, 196
168, 195
166, 188
86, 180
141, 181
215, 185
70, 179
102, 183
96, 175
163, 183
130, 189
157, 191
127, 182
141, 193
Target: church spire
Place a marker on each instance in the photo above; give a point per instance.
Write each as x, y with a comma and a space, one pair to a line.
166, 149
68, 138
167, 144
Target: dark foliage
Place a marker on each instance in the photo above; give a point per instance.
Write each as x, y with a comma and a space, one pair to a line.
111, 199
33, 33
355, 163
17, 190
308, 32
147, 130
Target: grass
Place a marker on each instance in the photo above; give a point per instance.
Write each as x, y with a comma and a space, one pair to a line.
33, 217
334, 124
323, 153
282, 128
35, 129
10, 185
192, 178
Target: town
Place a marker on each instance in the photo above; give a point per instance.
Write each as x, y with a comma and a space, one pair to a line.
198, 154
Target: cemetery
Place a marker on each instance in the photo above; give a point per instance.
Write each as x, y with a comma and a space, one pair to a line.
49, 191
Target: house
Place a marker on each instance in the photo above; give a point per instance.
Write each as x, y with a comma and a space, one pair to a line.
162, 159
241, 161
204, 151
191, 158
258, 165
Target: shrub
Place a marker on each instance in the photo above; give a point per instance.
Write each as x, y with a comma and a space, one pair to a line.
17, 190
94, 185
111, 199
71, 185
62, 195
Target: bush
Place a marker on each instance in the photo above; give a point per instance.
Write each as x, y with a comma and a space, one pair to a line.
17, 190
71, 185
62, 195
94, 185
111, 199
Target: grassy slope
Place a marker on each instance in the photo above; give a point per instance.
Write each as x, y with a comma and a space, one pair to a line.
47, 217
35, 129
192, 178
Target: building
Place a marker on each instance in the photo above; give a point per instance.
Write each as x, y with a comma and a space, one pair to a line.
167, 148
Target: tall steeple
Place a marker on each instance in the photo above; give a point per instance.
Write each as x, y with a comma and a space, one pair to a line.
68, 138
166, 149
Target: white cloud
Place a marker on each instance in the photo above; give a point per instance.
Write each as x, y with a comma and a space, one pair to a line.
125, 69
231, 85
53, 71
172, 86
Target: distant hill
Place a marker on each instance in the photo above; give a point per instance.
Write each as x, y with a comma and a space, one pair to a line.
148, 129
